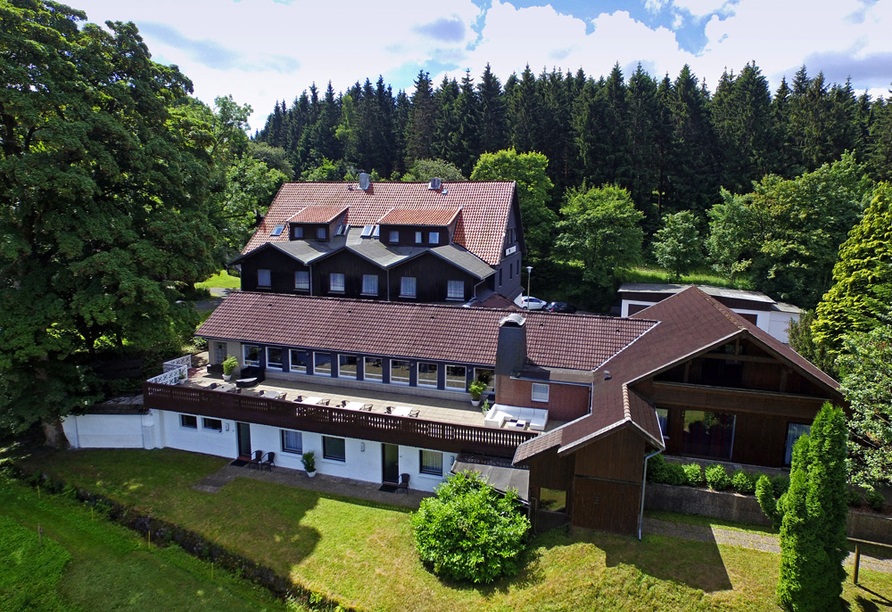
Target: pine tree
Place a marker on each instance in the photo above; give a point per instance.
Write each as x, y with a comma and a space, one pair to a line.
493, 126
420, 126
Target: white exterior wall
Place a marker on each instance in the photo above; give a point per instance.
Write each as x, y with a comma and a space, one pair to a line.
779, 325
162, 429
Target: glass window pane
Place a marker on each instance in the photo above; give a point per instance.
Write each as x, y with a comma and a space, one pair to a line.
418, 237
374, 369
334, 448
322, 364
663, 418
433, 237
274, 357
455, 290
456, 377
487, 376
347, 365
252, 355
187, 420
321, 233
707, 434
427, 374
794, 432
299, 361
336, 282
298, 232
263, 278
540, 392
431, 462
399, 372
292, 441
394, 236
302, 280
407, 286
214, 424
370, 284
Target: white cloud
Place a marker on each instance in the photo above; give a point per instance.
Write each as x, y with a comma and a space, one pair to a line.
700, 8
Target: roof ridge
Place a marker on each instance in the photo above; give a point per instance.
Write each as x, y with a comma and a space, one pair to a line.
726, 312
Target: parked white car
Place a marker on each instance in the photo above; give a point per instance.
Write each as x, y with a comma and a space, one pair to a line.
528, 302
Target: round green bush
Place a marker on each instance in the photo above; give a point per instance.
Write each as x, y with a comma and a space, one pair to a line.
469, 532
693, 474
717, 477
675, 474
875, 499
780, 484
743, 483
656, 469
854, 497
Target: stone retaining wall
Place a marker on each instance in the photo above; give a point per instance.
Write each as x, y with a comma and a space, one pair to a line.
730, 506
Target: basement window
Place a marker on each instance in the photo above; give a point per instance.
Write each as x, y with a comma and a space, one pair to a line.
188, 421
334, 448
212, 424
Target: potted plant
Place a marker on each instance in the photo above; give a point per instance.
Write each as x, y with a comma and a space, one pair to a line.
229, 365
476, 389
309, 461
182, 378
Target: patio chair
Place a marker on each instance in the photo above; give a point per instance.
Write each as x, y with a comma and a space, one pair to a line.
366, 407
388, 409
269, 460
403, 484
324, 402
255, 461
414, 413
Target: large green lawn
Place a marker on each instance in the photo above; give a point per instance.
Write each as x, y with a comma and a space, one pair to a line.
362, 554
85, 563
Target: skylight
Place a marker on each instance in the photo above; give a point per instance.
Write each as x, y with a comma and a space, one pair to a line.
278, 230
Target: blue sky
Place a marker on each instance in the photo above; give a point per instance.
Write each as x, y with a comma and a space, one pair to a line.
262, 51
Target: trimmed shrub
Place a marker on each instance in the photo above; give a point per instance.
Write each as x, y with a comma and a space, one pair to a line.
693, 474
875, 499
469, 532
675, 474
717, 477
656, 469
767, 500
743, 483
780, 484
854, 497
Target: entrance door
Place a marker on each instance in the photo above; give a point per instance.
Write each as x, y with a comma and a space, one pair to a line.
390, 463
243, 434
220, 352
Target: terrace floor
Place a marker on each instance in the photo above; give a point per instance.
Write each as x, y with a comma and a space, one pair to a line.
458, 412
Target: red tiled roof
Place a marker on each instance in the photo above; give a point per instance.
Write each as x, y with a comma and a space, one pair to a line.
419, 216
485, 207
317, 214
689, 322
463, 335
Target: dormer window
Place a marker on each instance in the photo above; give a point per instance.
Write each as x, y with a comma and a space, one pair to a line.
342, 229
394, 237
277, 231
263, 278
433, 237
298, 232
367, 230
321, 233
419, 237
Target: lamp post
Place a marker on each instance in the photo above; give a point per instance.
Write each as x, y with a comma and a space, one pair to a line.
529, 284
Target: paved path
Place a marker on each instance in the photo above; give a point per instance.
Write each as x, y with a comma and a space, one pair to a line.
765, 542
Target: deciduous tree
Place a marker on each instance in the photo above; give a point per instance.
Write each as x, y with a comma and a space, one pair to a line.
677, 245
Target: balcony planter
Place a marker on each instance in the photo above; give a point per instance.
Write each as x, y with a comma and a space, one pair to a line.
309, 461
229, 365
476, 389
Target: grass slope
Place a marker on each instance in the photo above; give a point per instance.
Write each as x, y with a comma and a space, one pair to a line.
363, 555
221, 280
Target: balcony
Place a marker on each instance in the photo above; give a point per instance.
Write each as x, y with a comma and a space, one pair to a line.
439, 424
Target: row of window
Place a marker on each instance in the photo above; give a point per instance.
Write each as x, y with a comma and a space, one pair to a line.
455, 289
393, 237
191, 422
356, 367
334, 449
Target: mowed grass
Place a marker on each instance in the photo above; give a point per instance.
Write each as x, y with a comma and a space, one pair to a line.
86, 563
221, 280
701, 276
362, 554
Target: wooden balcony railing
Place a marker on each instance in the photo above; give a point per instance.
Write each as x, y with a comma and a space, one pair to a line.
379, 427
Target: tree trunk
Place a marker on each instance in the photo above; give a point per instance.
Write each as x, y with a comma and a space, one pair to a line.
55, 436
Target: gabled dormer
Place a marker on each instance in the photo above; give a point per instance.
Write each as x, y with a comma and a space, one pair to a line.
418, 227
319, 223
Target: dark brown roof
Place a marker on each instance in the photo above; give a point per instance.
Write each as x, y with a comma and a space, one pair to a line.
688, 323
447, 333
485, 207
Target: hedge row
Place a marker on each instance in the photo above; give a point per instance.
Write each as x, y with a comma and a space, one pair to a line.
163, 533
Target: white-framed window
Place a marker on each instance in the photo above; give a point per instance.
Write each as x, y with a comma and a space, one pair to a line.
407, 286
274, 357
419, 237
336, 282
347, 366
487, 375
277, 231
370, 284
299, 361
212, 424
251, 355
263, 278
302, 280
322, 364
188, 421
298, 232
433, 237
394, 237
540, 392
455, 290
456, 377
321, 233
431, 462
292, 442
427, 374
374, 369
399, 372
334, 449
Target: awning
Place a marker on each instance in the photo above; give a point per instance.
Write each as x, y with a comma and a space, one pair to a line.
500, 474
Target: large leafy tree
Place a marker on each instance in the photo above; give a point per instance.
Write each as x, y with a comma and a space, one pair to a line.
533, 186
677, 245
601, 228
103, 203
866, 364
